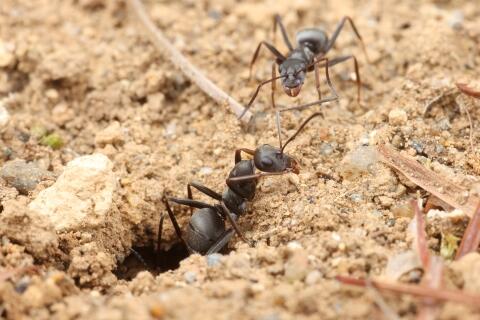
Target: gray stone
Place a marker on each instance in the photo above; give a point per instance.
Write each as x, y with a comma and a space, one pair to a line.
22, 175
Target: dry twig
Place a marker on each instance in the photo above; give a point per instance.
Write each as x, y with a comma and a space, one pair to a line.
455, 195
380, 302
417, 290
421, 236
179, 60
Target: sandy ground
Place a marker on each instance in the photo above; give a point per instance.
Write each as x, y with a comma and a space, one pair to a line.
85, 71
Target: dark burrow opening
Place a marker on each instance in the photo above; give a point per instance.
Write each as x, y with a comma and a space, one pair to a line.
146, 258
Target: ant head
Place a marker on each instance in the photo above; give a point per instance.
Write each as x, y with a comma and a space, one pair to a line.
292, 72
271, 159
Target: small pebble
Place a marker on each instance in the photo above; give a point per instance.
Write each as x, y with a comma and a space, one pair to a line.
214, 14
296, 267
205, 171
359, 161
22, 284
4, 117
190, 277
386, 201
444, 124
455, 21
313, 277
294, 245
170, 130
113, 134
417, 146
398, 141
439, 148
214, 259
326, 149
356, 197
7, 58
397, 117
391, 222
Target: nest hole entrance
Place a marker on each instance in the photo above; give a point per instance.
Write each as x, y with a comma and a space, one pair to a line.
148, 259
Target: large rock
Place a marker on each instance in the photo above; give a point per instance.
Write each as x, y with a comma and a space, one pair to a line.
81, 197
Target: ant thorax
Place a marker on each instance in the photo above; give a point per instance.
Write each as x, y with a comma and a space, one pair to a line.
244, 189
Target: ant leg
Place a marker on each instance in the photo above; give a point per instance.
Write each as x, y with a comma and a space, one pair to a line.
238, 154
255, 176
279, 57
337, 32
277, 114
277, 20
317, 79
279, 131
252, 99
178, 231
221, 241
203, 189
160, 231
274, 85
234, 224
139, 257
191, 203
358, 80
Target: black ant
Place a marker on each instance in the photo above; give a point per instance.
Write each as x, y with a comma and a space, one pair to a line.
206, 232
309, 55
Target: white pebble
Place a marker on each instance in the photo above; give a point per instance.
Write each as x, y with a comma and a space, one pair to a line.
397, 117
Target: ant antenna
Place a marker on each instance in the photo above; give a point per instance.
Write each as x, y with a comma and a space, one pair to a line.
139, 257
255, 94
316, 114
277, 120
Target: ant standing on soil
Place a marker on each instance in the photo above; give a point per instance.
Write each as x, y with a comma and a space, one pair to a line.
309, 55
206, 232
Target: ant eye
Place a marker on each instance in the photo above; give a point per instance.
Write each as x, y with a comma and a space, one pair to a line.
267, 162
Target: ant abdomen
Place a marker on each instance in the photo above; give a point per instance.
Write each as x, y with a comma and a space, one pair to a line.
204, 229
314, 39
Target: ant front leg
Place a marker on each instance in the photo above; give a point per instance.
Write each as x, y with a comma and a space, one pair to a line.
317, 81
255, 176
255, 94
238, 154
279, 57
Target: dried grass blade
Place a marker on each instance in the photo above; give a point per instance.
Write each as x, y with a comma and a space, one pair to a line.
453, 194
471, 236
417, 290
463, 87
181, 62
